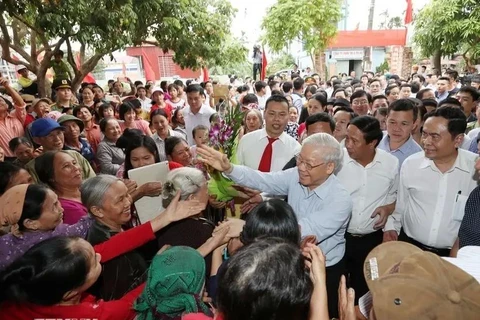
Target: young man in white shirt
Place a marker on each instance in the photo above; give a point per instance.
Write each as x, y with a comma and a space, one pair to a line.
196, 113
144, 101
435, 184
371, 176
261, 93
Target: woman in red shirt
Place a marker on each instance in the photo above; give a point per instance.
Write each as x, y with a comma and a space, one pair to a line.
51, 279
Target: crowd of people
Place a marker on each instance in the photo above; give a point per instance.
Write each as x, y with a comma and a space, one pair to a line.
358, 200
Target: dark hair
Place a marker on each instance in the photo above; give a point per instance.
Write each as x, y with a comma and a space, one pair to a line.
389, 89
199, 127
124, 140
15, 142
430, 103
77, 109
276, 98
422, 92
450, 100
259, 85
33, 205
406, 85
172, 86
103, 123
171, 143
195, 88
45, 168
56, 260
163, 85
359, 94
287, 86
471, 91
124, 108
58, 53
404, 105
457, 121
444, 79
159, 112
370, 128
312, 89
379, 96
8, 170
341, 102
271, 218
298, 83
348, 110
320, 117
102, 109
372, 80
277, 93
179, 83
452, 73
213, 117
241, 89
174, 116
135, 142
269, 276
249, 98
321, 99
382, 111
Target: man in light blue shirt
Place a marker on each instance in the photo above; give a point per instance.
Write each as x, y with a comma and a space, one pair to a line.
401, 119
322, 205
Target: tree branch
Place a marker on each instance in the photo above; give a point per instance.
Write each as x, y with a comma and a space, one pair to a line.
70, 58
33, 45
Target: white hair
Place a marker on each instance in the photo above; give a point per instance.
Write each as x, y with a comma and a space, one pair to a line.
332, 151
93, 190
187, 180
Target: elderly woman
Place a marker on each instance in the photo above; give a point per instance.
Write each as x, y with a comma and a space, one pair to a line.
109, 156
12, 175
192, 232
23, 149
59, 171
73, 139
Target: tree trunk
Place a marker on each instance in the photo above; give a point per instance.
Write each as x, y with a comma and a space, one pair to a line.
319, 63
437, 62
44, 90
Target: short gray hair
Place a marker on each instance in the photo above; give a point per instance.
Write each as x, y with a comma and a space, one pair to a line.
187, 180
93, 190
332, 151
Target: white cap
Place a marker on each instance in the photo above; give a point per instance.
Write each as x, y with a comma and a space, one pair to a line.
157, 89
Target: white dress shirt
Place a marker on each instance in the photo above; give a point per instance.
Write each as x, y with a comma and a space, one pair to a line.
428, 200
370, 187
146, 104
193, 120
252, 145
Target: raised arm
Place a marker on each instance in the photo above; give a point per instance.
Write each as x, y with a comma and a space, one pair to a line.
20, 111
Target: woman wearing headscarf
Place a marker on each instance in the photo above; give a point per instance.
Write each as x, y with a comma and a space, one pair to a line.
174, 288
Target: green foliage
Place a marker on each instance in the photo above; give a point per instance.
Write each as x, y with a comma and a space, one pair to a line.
283, 61
195, 30
314, 22
448, 26
383, 67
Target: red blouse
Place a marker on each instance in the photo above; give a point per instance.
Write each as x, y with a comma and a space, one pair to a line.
89, 307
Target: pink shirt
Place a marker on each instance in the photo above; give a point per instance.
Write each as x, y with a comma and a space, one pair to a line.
10, 128
140, 125
73, 211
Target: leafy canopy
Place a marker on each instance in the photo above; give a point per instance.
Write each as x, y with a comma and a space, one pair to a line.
449, 26
314, 22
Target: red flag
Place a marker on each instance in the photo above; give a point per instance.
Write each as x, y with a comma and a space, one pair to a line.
205, 74
409, 12
263, 73
89, 77
147, 67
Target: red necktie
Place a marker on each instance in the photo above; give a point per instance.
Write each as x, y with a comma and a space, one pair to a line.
266, 161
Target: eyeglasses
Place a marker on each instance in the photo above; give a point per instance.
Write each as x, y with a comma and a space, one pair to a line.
359, 102
307, 165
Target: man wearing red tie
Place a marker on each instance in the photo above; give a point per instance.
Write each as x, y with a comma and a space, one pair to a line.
270, 148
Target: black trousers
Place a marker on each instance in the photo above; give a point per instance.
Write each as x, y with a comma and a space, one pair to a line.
333, 275
445, 252
257, 67
357, 250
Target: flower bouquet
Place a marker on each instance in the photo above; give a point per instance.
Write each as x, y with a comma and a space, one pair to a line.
223, 136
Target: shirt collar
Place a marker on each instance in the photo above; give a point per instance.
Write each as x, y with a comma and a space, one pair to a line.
157, 137
404, 148
322, 190
460, 163
264, 135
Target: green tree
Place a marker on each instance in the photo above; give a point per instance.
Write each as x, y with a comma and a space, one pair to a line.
280, 62
313, 22
194, 30
444, 27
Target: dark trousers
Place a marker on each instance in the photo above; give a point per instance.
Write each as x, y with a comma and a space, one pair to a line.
445, 252
257, 67
333, 275
357, 250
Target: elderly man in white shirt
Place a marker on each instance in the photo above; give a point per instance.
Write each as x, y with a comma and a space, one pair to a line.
196, 113
435, 184
371, 177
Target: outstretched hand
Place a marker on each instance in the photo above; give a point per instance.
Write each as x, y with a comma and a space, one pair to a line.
214, 158
178, 210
